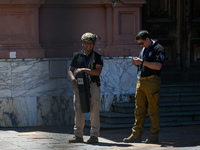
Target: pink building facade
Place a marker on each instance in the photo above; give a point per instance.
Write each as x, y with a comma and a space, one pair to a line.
52, 28
37, 41
19, 29
63, 22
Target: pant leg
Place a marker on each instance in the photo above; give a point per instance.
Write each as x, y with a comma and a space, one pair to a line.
79, 115
95, 105
153, 96
140, 110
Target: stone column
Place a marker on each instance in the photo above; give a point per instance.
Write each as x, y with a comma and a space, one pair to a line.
19, 29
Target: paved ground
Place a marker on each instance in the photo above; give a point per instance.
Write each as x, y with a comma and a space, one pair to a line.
56, 138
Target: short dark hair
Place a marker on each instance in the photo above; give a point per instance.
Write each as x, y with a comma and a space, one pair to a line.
142, 35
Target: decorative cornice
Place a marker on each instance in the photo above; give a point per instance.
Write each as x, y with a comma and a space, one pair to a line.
92, 2
22, 2
72, 2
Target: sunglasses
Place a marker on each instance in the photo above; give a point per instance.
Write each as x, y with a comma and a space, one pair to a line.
142, 43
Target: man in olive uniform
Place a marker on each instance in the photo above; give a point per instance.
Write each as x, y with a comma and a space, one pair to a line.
90, 62
147, 95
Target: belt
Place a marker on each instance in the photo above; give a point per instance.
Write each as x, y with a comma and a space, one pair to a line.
149, 77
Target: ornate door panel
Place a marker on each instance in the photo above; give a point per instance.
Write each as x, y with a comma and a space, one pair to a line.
193, 47
176, 25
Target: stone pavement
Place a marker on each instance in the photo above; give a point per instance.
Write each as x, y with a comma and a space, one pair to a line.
56, 138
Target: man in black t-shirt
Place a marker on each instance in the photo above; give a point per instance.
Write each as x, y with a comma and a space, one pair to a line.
149, 64
91, 63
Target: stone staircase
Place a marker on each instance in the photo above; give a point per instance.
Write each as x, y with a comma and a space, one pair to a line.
179, 105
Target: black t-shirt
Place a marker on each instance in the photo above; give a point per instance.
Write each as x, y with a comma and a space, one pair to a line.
81, 61
155, 53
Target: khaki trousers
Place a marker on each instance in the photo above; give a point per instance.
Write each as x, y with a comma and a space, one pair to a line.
147, 96
95, 106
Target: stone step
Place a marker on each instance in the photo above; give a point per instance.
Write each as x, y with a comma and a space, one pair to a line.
122, 126
119, 118
168, 124
129, 108
180, 97
179, 105
180, 88
177, 97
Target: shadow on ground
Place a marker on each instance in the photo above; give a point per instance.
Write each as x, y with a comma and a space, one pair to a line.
183, 136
